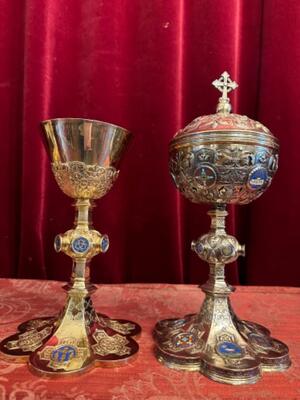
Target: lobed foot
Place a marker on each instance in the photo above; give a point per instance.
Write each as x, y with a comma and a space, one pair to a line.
233, 351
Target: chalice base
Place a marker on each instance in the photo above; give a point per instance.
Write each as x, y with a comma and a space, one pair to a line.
74, 341
219, 345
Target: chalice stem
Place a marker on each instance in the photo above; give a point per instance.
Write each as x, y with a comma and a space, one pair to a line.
80, 277
83, 217
82, 337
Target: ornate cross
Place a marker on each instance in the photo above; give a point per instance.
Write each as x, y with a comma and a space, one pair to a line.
224, 84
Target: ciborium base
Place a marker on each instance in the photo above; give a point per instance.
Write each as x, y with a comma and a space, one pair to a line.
219, 345
74, 341
216, 342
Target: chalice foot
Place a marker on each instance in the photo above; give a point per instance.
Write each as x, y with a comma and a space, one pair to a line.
111, 340
216, 342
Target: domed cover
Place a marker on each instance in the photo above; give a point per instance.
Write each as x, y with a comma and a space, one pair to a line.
223, 120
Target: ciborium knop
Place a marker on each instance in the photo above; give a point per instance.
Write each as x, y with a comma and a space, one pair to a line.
85, 155
221, 159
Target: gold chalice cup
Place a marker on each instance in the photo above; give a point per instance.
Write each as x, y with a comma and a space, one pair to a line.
221, 159
85, 155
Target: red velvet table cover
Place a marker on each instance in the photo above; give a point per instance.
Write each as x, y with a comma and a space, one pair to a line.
278, 308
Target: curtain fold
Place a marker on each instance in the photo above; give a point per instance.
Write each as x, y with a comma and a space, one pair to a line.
147, 66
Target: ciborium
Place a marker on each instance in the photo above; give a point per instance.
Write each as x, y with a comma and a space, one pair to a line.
221, 159
85, 155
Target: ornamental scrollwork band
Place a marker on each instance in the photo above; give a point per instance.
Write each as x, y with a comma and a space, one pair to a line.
231, 174
79, 180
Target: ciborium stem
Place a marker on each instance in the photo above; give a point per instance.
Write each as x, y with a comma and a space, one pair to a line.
217, 248
215, 341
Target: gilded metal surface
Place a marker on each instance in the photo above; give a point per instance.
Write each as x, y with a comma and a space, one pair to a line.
224, 122
215, 342
217, 247
106, 344
220, 159
29, 340
121, 327
223, 158
85, 154
89, 141
81, 181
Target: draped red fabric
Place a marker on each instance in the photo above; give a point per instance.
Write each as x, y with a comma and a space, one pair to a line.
147, 66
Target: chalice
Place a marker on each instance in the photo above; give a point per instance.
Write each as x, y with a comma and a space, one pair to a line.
84, 156
221, 159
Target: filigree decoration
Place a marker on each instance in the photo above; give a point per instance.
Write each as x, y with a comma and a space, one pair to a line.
75, 308
221, 248
79, 180
236, 156
123, 328
206, 313
30, 340
106, 344
221, 317
221, 174
90, 313
181, 161
39, 323
190, 341
223, 122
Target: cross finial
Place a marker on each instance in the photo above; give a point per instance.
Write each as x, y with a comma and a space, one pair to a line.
225, 85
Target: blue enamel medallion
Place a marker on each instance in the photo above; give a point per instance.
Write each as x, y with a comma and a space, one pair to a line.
258, 178
104, 244
229, 349
63, 354
57, 243
228, 250
199, 248
80, 245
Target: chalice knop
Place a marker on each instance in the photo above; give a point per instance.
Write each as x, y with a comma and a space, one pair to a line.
85, 155
221, 159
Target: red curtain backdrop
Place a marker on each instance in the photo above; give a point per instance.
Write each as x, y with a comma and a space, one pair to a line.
146, 65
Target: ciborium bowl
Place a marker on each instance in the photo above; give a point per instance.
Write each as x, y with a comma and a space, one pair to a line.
221, 159
85, 157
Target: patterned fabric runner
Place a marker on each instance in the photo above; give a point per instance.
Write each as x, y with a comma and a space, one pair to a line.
145, 379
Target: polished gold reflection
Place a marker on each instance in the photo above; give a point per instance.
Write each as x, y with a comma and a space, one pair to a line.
88, 141
85, 155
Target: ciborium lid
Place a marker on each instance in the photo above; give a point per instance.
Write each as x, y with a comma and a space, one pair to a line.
223, 122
